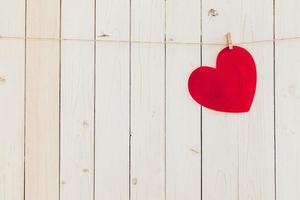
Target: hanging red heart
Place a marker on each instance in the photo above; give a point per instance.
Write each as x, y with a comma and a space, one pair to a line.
230, 87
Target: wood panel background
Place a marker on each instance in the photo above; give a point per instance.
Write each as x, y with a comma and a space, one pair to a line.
94, 101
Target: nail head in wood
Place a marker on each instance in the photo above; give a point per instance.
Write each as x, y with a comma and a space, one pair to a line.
85, 170
2, 79
134, 181
85, 124
103, 35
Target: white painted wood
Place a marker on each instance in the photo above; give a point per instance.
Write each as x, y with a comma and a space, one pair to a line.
42, 120
183, 128
112, 101
42, 101
287, 119
147, 101
43, 18
12, 75
145, 92
287, 100
183, 125
12, 21
112, 19
77, 19
12, 65
238, 149
148, 134
147, 20
77, 121
183, 21
112, 121
77, 101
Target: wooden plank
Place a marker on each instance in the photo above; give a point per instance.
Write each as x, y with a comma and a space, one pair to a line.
77, 101
148, 135
43, 18
147, 100
287, 119
112, 121
42, 101
183, 128
112, 19
12, 79
42, 120
287, 100
77, 19
77, 121
12, 18
12, 76
147, 20
238, 149
183, 21
112, 101
183, 125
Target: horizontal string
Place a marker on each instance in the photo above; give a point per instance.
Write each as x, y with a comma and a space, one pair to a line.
148, 42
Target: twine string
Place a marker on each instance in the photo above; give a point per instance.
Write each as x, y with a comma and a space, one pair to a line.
148, 42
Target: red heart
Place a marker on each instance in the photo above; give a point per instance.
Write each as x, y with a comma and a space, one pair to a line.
230, 87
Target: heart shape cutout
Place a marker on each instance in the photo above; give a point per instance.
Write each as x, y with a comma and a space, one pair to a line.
230, 87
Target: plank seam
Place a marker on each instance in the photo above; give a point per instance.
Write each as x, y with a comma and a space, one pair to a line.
165, 98
201, 114
94, 125
25, 77
130, 106
274, 103
59, 96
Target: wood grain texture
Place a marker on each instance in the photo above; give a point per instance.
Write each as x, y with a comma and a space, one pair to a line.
42, 101
12, 73
77, 19
287, 100
42, 120
43, 18
147, 20
112, 101
12, 21
238, 149
113, 21
148, 135
12, 85
287, 119
183, 117
183, 21
112, 121
77, 101
77, 121
183, 126
148, 101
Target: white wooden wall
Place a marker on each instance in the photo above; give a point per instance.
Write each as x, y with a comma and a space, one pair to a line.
94, 102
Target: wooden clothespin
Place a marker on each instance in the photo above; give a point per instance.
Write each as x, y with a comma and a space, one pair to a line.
229, 40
